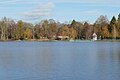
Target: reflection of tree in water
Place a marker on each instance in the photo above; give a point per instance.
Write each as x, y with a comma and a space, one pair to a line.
117, 54
46, 59
102, 55
6, 58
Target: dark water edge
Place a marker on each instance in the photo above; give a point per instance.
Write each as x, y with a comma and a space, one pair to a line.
48, 40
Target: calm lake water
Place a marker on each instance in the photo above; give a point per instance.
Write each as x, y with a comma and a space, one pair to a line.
59, 61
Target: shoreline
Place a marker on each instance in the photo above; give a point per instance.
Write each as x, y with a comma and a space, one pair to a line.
50, 40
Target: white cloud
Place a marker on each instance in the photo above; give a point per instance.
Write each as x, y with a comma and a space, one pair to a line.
8, 1
105, 2
89, 12
81, 1
87, 1
62, 1
41, 11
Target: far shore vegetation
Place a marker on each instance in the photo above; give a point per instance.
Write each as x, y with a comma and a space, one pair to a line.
45, 30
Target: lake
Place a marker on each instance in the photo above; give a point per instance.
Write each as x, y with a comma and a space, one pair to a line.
59, 60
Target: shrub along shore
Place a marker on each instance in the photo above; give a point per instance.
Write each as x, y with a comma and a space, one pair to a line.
49, 40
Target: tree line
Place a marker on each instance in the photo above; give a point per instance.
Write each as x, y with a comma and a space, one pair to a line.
49, 29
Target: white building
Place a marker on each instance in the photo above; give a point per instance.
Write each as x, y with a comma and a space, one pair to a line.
63, 37
94, 36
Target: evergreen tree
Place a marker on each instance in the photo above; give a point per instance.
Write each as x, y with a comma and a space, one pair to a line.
119, 18
112, 28
19, 31
73, 24
118, 26
78, 27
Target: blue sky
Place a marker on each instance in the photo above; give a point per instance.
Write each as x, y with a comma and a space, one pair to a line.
59, 10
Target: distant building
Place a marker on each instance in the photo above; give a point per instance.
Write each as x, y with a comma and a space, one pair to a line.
94, 36
62, 37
